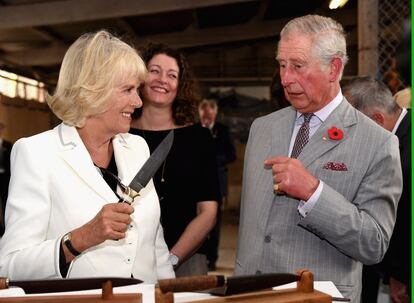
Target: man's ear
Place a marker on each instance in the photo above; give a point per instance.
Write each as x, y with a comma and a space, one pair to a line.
379, 118
335, 69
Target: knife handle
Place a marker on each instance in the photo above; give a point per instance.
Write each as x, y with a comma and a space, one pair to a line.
128, 195
193, 283
122, 200
4, 283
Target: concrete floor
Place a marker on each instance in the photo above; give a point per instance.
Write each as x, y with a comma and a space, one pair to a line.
228, 243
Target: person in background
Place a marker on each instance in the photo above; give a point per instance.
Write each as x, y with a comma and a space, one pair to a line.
403, 58
225, 149
374, 99
186, 182
5, 150
225, 154
321, 180
63, 218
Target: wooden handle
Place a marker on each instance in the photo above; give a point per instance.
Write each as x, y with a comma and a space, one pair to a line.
193, 283
4, 283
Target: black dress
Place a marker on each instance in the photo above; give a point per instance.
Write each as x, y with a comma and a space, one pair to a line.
188, 176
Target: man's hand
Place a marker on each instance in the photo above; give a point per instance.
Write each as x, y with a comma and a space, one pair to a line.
398, 291
291, 177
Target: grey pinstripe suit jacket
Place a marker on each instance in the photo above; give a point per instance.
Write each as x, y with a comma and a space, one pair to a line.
353, 219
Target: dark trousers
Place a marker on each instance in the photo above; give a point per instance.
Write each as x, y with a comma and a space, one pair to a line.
370, 284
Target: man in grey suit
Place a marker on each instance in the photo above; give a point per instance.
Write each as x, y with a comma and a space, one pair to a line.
321, 180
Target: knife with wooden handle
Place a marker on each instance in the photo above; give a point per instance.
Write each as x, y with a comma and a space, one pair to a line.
62, 285
220, 285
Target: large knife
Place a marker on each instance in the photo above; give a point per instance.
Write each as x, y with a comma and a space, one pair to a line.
148, 170
223, 286
62, 285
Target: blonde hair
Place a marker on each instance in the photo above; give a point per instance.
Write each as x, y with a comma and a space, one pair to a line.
92, 67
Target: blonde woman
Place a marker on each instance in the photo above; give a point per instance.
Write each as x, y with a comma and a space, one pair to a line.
62, 218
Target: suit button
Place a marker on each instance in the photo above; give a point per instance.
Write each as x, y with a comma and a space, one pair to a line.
258, 272
128, 260
130, 226
267, 239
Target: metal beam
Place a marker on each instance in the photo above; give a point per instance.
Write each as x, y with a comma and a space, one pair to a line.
124, 25
37, 56
192, 37
249, 31
220, 35
185, 39
69, 11
46, 34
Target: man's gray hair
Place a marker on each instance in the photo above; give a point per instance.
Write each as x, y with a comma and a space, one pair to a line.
328, 37
367, 94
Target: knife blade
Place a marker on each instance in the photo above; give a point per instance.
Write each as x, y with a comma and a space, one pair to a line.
222, 286
148, 170
62, 285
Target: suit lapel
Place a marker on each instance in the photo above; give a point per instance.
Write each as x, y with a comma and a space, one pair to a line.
343, 117
280, 141
74, 153
123, 154
281, 134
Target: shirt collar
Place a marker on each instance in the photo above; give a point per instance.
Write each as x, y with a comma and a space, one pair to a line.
324, 112
400, 118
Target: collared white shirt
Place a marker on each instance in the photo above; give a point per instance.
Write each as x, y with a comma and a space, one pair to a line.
316, 121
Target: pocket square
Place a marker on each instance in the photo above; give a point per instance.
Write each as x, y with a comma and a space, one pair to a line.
335, 166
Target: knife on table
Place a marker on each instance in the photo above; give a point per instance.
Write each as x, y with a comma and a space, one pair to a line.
219, 285
62, 285
148, 170
223, 286
248, 283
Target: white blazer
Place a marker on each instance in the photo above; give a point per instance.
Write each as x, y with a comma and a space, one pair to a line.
55, 188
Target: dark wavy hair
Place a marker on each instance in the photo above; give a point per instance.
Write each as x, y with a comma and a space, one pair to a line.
185, 105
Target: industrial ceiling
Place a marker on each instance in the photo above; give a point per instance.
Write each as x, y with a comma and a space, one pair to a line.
228, 42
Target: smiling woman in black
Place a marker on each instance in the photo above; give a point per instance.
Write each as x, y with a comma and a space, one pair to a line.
187, 181
186, 177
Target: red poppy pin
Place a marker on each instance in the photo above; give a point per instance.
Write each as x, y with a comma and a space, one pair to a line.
335, 133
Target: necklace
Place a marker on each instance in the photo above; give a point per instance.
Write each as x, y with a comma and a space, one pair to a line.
162, 172
162, 179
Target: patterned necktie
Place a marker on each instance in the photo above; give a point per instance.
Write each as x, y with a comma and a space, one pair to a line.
302, 137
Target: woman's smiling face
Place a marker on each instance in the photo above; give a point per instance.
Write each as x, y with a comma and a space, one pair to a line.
161, 85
